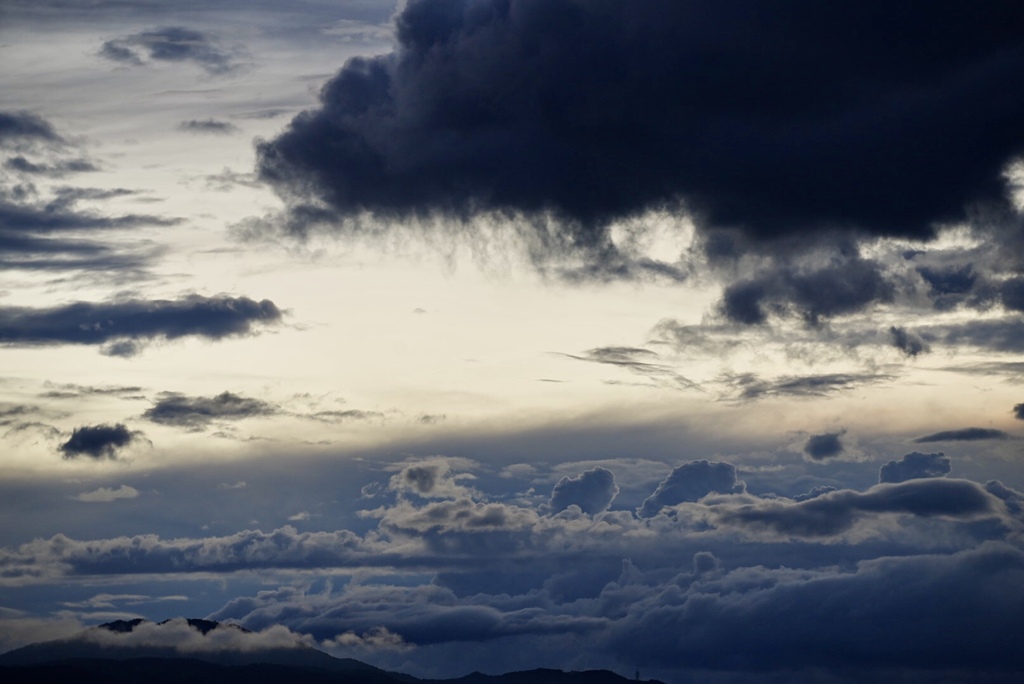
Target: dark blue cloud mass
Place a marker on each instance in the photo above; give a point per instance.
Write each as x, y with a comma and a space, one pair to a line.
125, 325
593, 491
98, 442
915, 465
825, 446
971, 434
779, 119
690, 482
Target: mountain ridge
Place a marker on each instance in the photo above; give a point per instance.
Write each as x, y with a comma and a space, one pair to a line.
92, 658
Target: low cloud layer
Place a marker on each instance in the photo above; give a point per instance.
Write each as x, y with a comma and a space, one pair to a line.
704, 561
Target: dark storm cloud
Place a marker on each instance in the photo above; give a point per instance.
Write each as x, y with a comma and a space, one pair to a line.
593, 491
970, 434
908, 342
825, 446
211, 126
197, 413
98, 442
844, 287
797, 117
913, 466
902, 619
125, 325
1018, 411
690, 482
171, 44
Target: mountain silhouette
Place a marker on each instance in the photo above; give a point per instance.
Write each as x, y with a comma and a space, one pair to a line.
107, 655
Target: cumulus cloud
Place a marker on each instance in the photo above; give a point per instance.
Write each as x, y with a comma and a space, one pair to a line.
107, 494
690, 482
825, 446
971, 434
99, 442
433, 478
171, 44
770, 124
1018, 411
915, 465
125, 325
196, 413
593, 491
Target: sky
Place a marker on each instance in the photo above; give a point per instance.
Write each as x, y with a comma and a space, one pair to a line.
675, 335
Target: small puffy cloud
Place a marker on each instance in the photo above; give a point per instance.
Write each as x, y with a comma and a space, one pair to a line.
690, 482
915, 465
825, 446
107, 494
432, 478
196, 413
98, 441
971, 434
208, 126
593, 491
1018, 411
